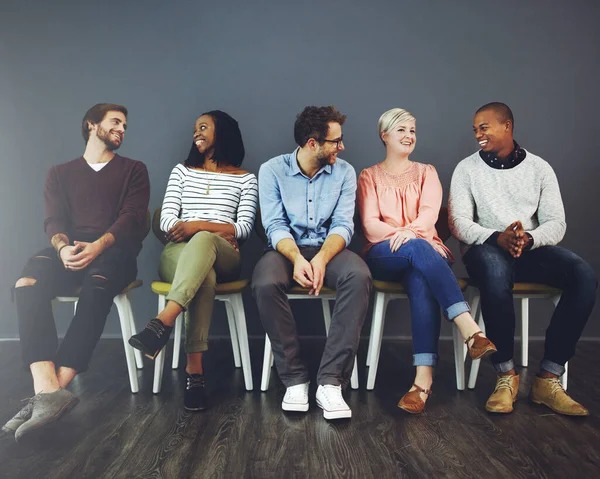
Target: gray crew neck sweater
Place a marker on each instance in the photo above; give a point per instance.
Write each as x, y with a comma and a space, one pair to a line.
484, 200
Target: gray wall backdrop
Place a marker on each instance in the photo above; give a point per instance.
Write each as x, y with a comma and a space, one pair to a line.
263, 61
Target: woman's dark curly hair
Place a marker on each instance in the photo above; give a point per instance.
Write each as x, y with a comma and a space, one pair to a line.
229, 147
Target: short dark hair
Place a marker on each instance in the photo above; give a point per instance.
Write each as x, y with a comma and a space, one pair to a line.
313, 122
96, 114
229, 146
502, 111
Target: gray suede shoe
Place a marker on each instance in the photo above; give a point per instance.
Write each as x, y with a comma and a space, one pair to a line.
47, 407
23, 415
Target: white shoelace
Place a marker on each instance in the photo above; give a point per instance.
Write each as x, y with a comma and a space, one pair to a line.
333, 394
297, 393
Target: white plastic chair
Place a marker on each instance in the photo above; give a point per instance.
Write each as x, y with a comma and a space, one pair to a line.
231, 294
133, 357
386, 291
524, 292
296, 292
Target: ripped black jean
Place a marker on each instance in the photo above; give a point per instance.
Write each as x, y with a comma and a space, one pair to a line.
100, 282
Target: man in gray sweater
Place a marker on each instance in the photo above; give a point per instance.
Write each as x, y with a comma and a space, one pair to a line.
506, 210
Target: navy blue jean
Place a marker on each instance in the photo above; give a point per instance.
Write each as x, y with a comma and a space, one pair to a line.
429, 284
494, 271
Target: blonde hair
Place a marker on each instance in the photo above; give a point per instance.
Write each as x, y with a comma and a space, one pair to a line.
391, 118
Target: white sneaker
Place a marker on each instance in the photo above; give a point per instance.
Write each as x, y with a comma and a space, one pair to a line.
296, 398
329, 398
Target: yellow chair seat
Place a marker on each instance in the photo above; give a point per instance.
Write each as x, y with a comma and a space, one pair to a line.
297, 289
394, 287
529, 288
77, 291
232, 287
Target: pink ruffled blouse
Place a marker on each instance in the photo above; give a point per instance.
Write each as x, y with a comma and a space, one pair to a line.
409, 201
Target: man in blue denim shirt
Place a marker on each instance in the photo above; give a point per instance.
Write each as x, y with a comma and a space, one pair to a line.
307, 204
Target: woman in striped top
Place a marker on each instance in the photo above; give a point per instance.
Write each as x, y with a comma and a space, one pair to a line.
209, 207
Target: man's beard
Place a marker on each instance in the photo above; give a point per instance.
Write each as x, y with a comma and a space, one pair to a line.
325, 160
105, 137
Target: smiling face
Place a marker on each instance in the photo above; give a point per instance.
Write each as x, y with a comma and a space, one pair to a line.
111, 130
204, 134
401, 138
328, 151
492, 134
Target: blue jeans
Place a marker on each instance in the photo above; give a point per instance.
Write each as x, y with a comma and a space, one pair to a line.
494, 271
429, 284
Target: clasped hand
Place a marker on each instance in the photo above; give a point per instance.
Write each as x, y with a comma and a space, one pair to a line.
310, 274
181, 231
513, 239
80, 255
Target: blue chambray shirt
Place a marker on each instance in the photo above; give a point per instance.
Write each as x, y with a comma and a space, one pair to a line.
306, 210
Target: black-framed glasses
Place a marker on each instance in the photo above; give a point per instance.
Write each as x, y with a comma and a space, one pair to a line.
337, 142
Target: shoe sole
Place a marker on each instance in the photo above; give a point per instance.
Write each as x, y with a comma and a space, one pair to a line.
342, 414
409, 411
558, 412
194, 409
485, 354
137, 344
506, 411
64, 410
293, 407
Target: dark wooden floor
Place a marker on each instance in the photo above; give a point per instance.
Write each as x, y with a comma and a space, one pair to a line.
113, 433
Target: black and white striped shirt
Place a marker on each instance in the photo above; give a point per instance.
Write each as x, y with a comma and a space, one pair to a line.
231, 199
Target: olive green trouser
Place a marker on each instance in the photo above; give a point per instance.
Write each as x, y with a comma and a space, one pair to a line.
193, 268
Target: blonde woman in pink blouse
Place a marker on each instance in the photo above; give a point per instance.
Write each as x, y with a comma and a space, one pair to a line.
399, 201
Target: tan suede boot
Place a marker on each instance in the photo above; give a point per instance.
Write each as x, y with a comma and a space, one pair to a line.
549, 391
505, 394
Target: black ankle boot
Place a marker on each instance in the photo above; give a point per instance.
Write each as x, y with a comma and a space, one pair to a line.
194, 396
152, 338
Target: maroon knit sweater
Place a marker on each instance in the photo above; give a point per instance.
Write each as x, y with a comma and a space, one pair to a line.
84, 204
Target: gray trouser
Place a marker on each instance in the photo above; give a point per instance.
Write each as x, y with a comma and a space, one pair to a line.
348, 274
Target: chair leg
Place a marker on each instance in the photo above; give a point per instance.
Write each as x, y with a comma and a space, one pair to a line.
139, 359
378, 323
267, 363
563, 378
122, 303
240, 320
475, 364
159, 361
233, 333
524, 332
354, 377
459, 358
474, 301
370, 350
326, 315
179, 322
159, 366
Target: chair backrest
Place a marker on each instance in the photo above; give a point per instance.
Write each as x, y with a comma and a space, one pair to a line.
147, 224
156, 227
441, 226
259, 228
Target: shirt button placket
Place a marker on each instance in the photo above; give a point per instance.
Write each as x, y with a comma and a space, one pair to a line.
311, 204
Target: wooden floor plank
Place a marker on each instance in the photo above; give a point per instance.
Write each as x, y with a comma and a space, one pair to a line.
113, 433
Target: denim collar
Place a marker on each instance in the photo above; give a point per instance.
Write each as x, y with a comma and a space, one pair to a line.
294, 168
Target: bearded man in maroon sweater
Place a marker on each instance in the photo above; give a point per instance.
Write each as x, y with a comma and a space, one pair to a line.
95, 212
